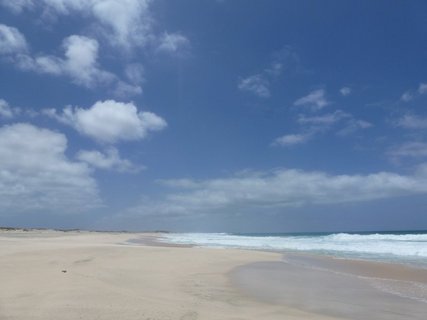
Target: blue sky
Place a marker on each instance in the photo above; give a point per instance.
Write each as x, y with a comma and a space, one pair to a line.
213, 115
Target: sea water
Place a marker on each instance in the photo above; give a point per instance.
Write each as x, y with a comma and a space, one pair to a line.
403, 246
308, 276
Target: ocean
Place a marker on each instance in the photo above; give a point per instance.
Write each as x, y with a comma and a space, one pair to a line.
399, 246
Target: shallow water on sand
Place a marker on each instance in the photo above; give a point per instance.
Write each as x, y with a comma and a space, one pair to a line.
350, 289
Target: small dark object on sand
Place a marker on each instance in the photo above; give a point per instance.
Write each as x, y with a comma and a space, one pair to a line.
64, 271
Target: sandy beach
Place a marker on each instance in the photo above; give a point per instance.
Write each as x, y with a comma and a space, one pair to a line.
89, 275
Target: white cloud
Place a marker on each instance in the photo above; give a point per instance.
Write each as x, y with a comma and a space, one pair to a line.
134, 72
259, 84
313, 126
407, 96
315, 100
422, 88
286, 59
6, 111
172, 42
17, 6
410, 121
343, 122
345, 91
125, 24
291, 139
275, 69
124, 89
35, 174
11, 41
324, 120
255, 84
80, 63
363, 124
110, 121
110, 160
409, 150
354, 125
412, 94
275, 191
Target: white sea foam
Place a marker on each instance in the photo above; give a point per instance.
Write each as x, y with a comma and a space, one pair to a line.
386, 246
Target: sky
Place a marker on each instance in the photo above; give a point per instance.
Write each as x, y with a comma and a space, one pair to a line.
213, 116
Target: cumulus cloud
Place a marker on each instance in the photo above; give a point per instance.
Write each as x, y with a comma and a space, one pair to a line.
256, 84
129, 21
110, 160
35, 174
80, 62
12, 41
291, 139
315, 99
125, 24
110, 121
410, 121
277, 190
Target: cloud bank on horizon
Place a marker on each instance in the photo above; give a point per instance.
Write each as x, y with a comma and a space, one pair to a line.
118, 111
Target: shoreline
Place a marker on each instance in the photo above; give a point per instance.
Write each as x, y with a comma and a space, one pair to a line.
389, 284
87, 275
336, 287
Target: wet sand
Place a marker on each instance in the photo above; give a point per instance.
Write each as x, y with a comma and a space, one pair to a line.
336, 287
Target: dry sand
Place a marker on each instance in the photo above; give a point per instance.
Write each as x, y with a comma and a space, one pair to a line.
81, 275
